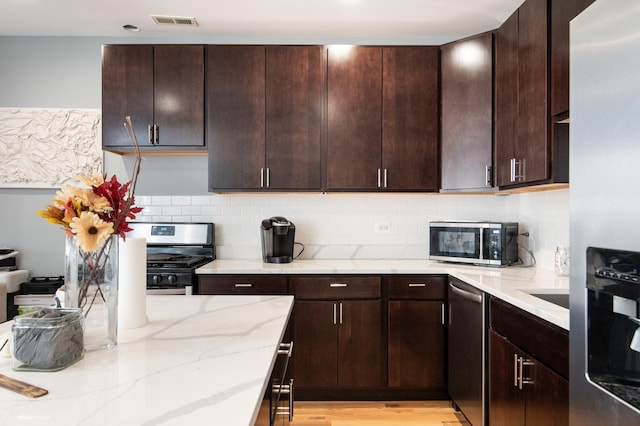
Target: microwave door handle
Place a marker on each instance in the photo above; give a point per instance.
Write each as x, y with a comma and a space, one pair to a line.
481, 248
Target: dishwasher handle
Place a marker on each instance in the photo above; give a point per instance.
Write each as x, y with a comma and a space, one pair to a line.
474, 297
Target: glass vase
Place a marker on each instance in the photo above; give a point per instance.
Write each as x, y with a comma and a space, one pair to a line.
91, 283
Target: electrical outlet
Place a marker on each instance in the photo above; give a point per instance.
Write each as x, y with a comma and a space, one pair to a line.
382, 227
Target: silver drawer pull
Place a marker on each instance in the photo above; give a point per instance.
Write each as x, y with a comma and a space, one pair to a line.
417, 285
243, 285
286, 349
338, 285
285, 390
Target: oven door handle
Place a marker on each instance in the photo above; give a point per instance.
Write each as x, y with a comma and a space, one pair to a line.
167, 291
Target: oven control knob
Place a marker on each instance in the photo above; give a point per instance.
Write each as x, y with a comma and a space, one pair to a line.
157, 279
172, 279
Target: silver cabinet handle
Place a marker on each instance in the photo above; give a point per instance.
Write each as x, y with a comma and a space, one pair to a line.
265, 178
521, 175
337, 313
379, 178
417, 285
518, 371
150, 129
291, 400
442, 309
525, 380
156, 134
487, 176
518, 169
334, 285
385, 178
245, 285
285, 390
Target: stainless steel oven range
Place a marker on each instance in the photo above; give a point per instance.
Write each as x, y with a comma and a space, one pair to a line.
174, 251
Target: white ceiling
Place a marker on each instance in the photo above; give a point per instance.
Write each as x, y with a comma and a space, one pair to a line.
320, 21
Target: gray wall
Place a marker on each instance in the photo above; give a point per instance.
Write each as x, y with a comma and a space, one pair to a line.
65, 72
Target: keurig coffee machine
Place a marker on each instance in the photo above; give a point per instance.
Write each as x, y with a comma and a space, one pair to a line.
278, 236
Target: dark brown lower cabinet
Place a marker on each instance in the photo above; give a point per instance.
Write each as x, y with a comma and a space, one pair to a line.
416, 345
338, 343
528, 366
522, 390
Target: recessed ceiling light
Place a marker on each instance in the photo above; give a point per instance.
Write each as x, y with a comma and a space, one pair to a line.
131, 28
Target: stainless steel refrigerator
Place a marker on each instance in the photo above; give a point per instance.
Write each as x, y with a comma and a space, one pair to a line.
605, 208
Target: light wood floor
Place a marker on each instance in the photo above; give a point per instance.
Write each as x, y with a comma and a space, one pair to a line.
409, 413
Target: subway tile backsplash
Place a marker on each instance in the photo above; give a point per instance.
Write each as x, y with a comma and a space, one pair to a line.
363, 226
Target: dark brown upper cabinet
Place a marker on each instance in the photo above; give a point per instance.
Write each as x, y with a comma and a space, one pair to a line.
354, 113
162, 88
264, 110
467, 114
294, 104
522, 140
532, 93
506, 97
562, 12
382, 118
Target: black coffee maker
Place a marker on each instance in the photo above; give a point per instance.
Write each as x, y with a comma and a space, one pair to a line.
278, 236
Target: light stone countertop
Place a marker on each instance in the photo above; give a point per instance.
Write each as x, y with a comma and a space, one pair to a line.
199, 360
504, 283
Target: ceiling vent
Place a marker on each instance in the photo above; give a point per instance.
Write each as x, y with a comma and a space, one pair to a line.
174, 20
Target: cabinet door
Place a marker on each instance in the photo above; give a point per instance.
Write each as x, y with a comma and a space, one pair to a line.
293, 116
178, 93
467, 113
354, 86
410, 118
316, 344
506, 97
235, 87
547, 397
562, 12
127, 89
416, 342
532, 142
359, 343
506, 400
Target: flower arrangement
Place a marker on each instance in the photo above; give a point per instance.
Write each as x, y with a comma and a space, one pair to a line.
103, 207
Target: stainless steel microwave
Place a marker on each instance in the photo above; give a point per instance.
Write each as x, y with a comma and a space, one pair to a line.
480, 243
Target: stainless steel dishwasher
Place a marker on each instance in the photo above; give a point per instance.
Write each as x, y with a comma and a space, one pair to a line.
467, 350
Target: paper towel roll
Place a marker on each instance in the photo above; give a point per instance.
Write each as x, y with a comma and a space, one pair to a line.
132, 283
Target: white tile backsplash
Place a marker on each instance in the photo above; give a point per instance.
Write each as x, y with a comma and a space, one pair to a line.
343, 225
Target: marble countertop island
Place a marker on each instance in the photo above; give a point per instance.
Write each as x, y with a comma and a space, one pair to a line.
199, 360
512, 284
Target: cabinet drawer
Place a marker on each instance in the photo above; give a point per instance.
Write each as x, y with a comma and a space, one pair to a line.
242, 284
336, 287
417, 287
541, 339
